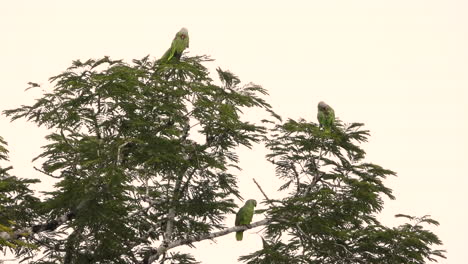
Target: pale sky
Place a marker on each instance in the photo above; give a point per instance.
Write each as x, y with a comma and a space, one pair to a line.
399, 66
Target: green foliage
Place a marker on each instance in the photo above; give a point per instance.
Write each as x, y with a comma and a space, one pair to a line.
18, 206
334, 196
130, 142
181, 258
144, 156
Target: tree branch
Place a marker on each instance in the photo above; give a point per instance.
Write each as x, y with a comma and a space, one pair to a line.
48, 226
178, 193
46, 173
119, 152
318, 174
261, 190
189, 240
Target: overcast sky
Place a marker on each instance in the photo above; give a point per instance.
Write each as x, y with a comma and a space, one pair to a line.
399, 66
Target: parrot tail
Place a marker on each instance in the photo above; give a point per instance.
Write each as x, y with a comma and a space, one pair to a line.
239, 235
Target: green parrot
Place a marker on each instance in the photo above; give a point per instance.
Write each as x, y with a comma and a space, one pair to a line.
179, 44
325, 116
244, 216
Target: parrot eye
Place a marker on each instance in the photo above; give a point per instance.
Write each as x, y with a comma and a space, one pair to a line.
182, 36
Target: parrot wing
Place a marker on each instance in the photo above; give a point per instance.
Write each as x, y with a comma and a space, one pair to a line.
240, 220
167, 55
331, 117
321, 117
241, 216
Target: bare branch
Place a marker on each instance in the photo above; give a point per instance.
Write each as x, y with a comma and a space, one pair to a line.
298, 182
169, 225
46, 173
318, 174
48, 226
189, 240
258, 185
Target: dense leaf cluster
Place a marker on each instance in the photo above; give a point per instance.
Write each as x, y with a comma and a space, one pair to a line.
143, 156
329, 215
130, 142
18, 205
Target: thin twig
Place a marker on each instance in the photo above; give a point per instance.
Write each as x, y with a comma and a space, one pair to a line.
298, 182
318, 175
46, 173
261, 190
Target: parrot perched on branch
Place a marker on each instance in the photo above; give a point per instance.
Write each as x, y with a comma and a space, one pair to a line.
244, 216
325, 116
179, 44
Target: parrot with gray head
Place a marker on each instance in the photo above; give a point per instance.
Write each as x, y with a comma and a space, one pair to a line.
179, 44
325, 116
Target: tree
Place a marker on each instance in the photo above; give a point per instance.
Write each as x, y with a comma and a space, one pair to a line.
144, 154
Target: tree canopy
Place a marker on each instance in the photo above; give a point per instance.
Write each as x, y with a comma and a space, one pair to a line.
145, 159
